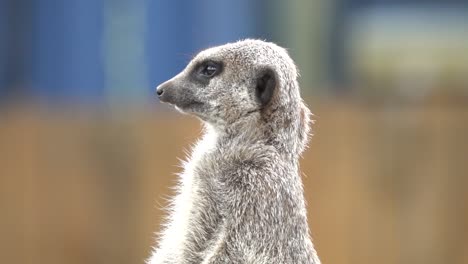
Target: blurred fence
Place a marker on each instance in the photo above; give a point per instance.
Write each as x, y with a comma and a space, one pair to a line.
383, 185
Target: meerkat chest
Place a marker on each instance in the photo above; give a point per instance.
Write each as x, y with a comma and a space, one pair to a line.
200, 167
197, 209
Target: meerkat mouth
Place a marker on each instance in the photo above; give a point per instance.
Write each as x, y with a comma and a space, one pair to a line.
192, 107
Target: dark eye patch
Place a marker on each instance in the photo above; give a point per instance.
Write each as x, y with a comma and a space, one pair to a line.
206, 70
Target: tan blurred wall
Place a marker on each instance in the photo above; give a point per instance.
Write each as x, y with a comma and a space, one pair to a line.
383, 184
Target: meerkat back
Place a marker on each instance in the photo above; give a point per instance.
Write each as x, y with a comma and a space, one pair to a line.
240, 196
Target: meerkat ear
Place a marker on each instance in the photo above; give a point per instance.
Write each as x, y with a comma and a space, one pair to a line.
266, 84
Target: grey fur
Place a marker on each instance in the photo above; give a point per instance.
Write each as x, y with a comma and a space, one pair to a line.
240, 197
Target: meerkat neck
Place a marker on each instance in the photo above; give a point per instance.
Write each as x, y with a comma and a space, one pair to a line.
242, 135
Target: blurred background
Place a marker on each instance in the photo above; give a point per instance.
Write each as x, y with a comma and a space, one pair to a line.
88, 154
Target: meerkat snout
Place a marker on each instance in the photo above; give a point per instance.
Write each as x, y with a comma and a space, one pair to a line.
176, 93
166, 97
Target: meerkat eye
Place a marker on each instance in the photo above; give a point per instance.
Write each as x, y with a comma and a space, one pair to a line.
209, 69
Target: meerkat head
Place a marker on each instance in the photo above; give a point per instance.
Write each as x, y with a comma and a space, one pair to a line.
249, 82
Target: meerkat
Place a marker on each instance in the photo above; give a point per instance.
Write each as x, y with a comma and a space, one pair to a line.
240, 197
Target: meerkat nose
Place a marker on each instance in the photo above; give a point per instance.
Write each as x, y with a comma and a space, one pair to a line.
159, 90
